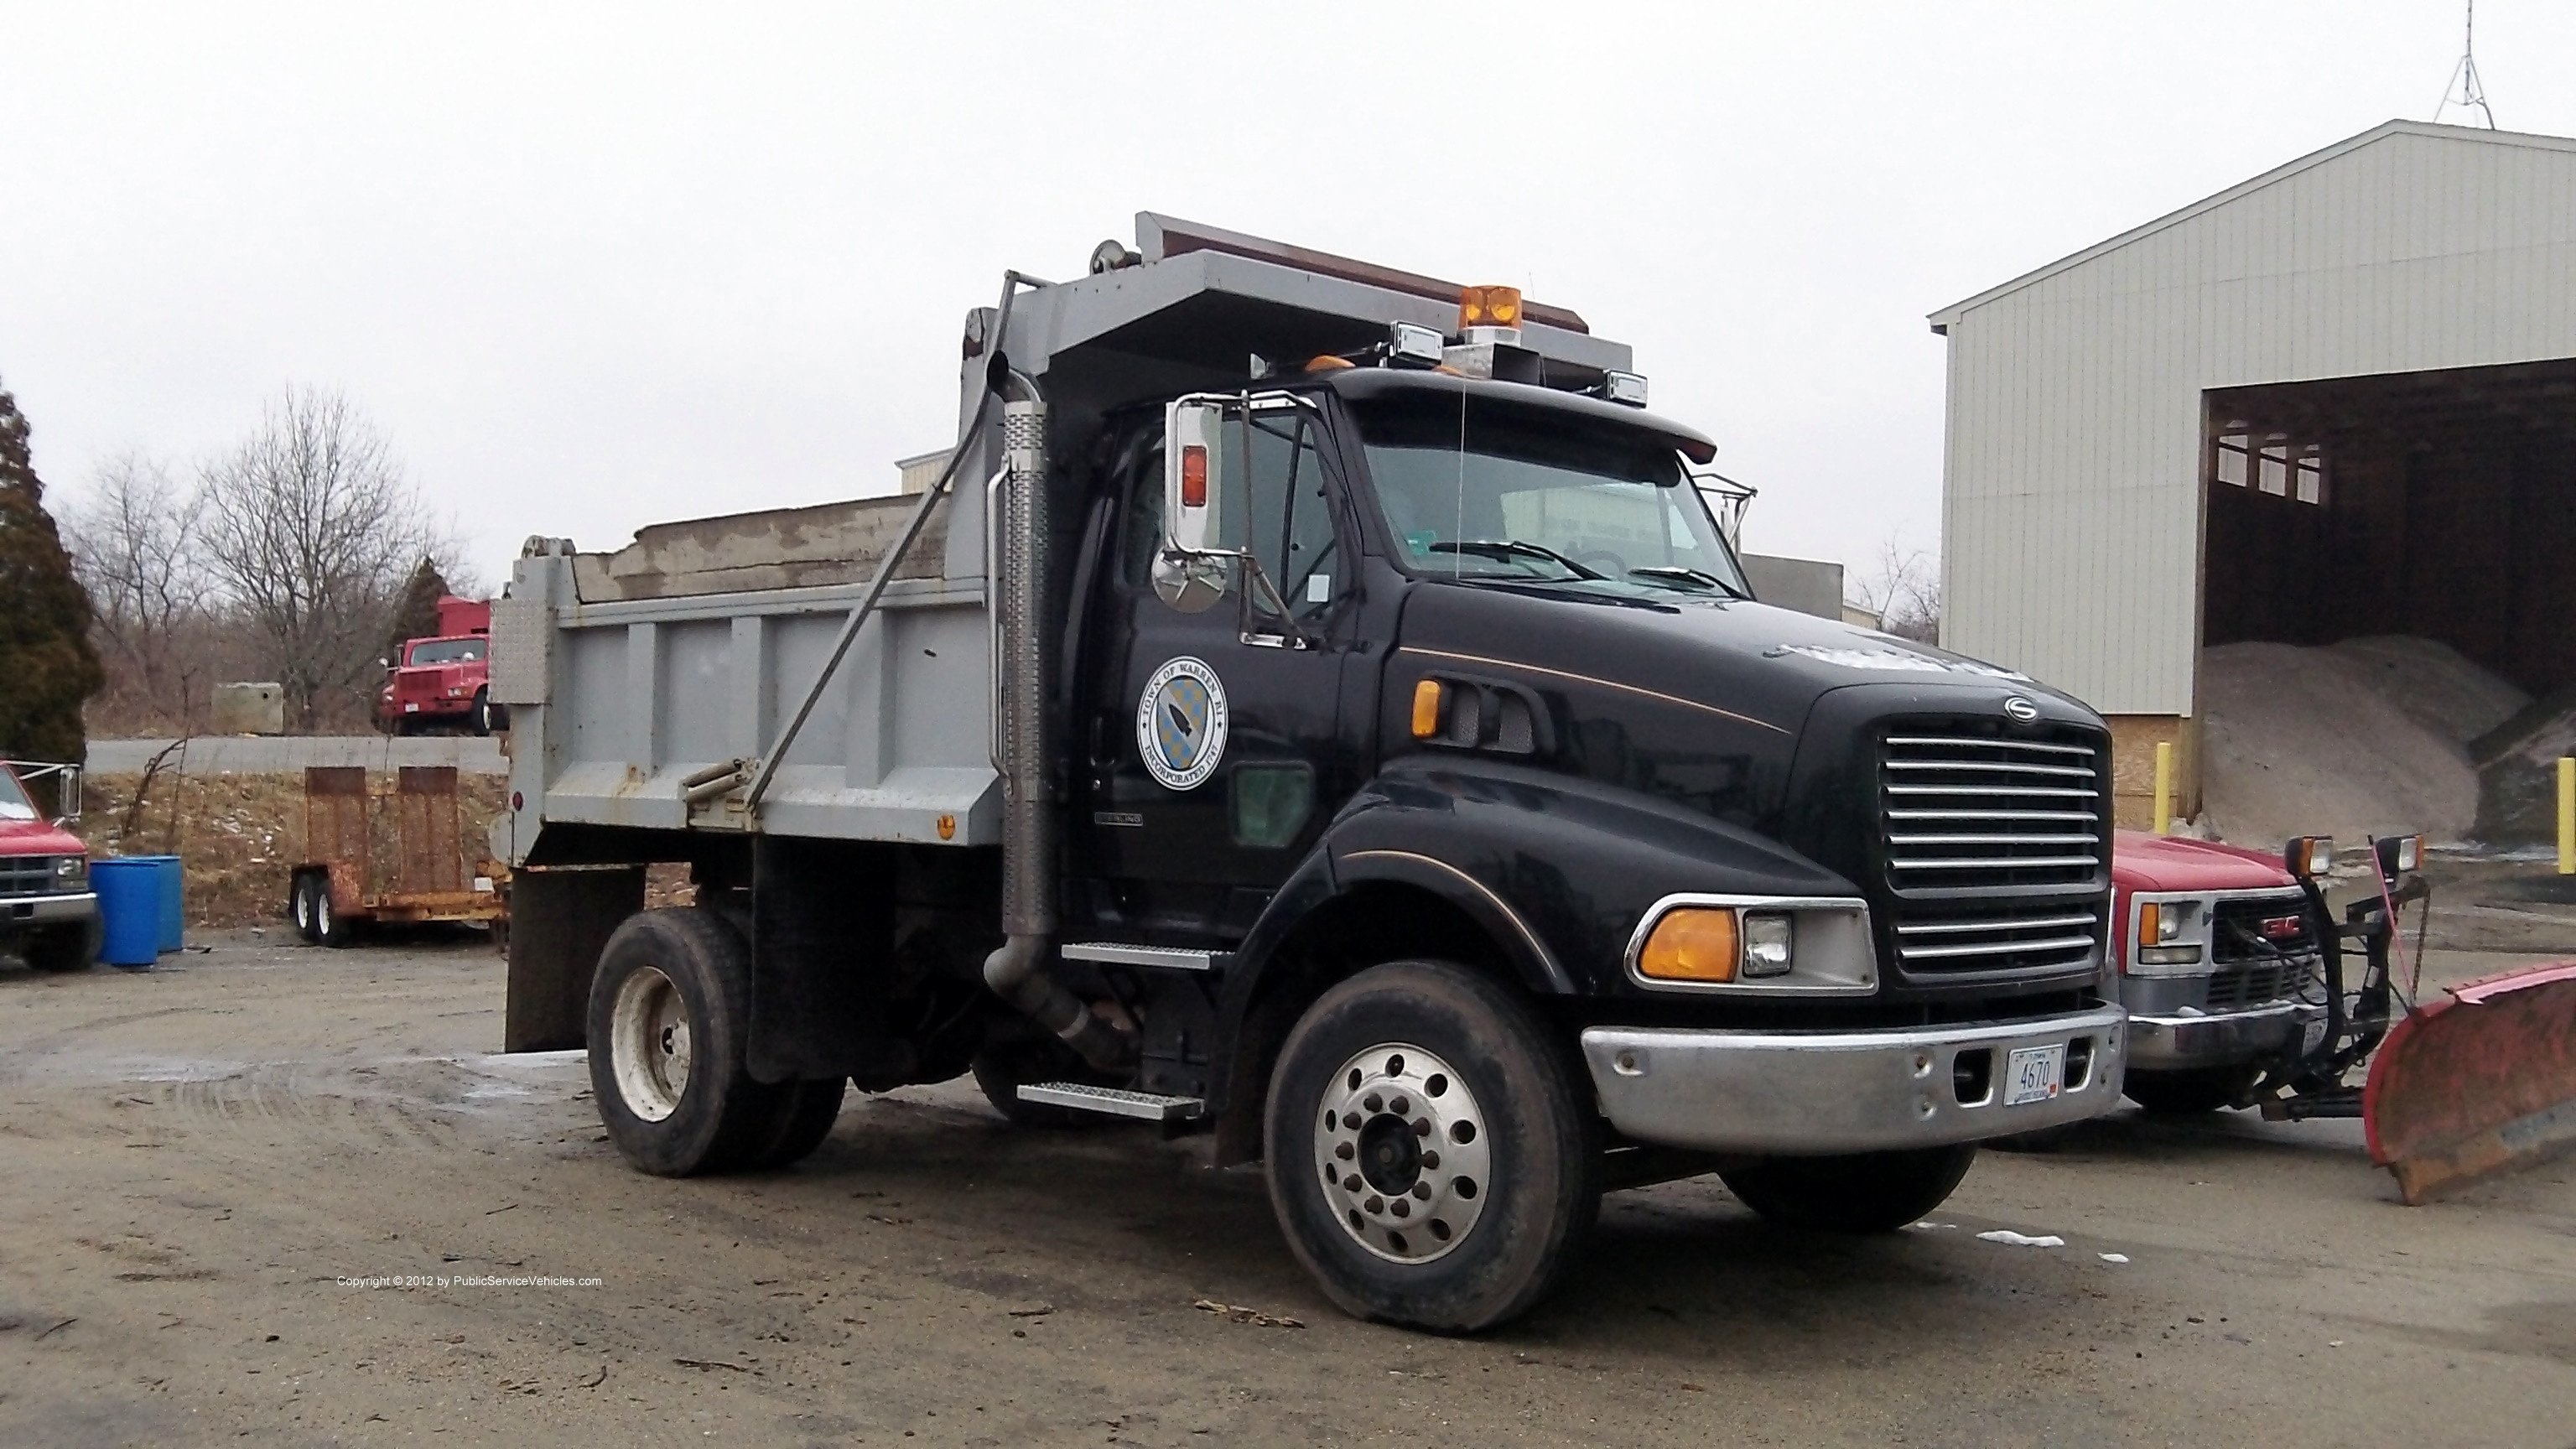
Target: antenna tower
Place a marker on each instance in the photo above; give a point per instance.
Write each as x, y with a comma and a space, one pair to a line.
2465, 90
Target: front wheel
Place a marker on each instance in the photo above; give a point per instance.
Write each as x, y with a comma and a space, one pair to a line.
1863, 1192
669, 1019
302, 908
481, 716
1431, 1161
65, 948
2189, 1093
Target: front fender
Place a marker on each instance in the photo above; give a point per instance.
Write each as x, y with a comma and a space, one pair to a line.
1556, 869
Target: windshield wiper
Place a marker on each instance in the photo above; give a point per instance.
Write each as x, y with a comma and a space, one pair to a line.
1514, 548
1696, 576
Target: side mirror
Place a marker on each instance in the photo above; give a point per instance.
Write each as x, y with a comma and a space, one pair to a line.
1190, 574
67, 795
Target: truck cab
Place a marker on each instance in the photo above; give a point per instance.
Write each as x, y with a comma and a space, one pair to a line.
443, 680
1315, 710
48, 914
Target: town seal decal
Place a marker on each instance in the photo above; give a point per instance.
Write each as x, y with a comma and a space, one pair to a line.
1181, 723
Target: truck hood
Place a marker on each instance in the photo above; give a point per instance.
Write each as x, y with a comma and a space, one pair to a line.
1753, 660
37, 837
2144, 862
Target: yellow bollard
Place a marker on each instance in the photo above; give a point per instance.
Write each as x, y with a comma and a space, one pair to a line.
2566, 815
2164, 790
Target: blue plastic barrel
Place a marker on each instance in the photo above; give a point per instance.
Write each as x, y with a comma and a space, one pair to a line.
129, 909
174, 900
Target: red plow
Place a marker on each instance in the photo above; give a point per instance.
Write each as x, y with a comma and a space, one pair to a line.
2478, 1080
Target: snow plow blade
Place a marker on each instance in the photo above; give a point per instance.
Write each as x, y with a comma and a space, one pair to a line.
2480, 1083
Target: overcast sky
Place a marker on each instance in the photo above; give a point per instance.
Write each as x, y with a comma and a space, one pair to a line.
595, 267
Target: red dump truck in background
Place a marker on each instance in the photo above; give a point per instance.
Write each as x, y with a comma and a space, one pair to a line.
442, 681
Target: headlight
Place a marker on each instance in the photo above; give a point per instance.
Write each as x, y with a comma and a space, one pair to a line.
2171, 933
71, 873
1766, 943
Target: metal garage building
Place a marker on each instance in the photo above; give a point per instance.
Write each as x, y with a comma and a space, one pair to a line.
2338, 399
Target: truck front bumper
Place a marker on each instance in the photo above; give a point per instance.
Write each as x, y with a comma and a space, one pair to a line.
1819, 1093
2183, 1041
21, 911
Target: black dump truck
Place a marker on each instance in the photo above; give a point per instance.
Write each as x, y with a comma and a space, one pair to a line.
1315, 709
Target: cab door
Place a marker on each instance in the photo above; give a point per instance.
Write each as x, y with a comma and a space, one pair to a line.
1209, 743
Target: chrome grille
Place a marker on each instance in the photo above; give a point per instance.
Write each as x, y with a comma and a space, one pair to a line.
1982, 810
1996, 851
26, 875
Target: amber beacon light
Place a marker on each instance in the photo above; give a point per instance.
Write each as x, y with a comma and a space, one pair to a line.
1489, 307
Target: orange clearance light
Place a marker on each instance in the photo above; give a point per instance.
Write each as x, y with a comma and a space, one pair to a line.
2150, 923
1691, 943
1426, 709
1194, 476
1489, 307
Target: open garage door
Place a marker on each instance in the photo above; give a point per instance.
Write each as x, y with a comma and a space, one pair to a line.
2423, 525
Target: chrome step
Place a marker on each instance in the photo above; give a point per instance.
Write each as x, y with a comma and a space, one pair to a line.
1111, 953
1116, 1101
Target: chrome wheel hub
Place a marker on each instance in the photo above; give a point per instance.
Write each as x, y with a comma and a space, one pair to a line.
649, 1044
1403, 1153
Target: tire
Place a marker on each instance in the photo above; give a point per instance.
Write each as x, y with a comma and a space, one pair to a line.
64, 949
330, 927
2189, 1093
478, 716
302, 905
806, 1112
669, 1017
1863, 1192
1000, 1069
1439, 1054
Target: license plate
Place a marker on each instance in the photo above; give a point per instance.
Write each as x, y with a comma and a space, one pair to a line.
2034, 1074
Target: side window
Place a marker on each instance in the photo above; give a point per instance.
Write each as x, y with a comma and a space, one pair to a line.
1289, 516
1141, 532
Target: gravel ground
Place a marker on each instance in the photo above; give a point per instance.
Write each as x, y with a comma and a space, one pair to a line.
198, 1161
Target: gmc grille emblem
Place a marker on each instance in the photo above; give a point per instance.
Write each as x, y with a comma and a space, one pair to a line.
2280, 928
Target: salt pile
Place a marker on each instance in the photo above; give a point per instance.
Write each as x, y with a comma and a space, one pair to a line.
2302, 741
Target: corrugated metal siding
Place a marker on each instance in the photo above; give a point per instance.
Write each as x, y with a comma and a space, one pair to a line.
2071, 513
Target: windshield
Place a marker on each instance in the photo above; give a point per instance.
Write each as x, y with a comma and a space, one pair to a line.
1473, 489
446, 651
14, 804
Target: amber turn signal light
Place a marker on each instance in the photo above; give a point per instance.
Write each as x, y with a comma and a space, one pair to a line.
1426, 709
1691, 943
1489, 307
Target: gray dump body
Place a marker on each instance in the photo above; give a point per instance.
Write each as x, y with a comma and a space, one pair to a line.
629, 673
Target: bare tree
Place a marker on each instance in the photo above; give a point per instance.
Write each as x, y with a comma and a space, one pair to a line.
1904, 591
311, 528
134, 547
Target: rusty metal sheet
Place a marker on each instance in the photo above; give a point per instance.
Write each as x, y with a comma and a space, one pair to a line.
2480, 1083
337, 833
428, 832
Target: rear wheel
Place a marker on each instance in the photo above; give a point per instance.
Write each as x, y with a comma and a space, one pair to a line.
1863, 1192
64, 948
302, 906
669, 1019
330, 927
806, 1113
2189, 1093
1431, 1161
